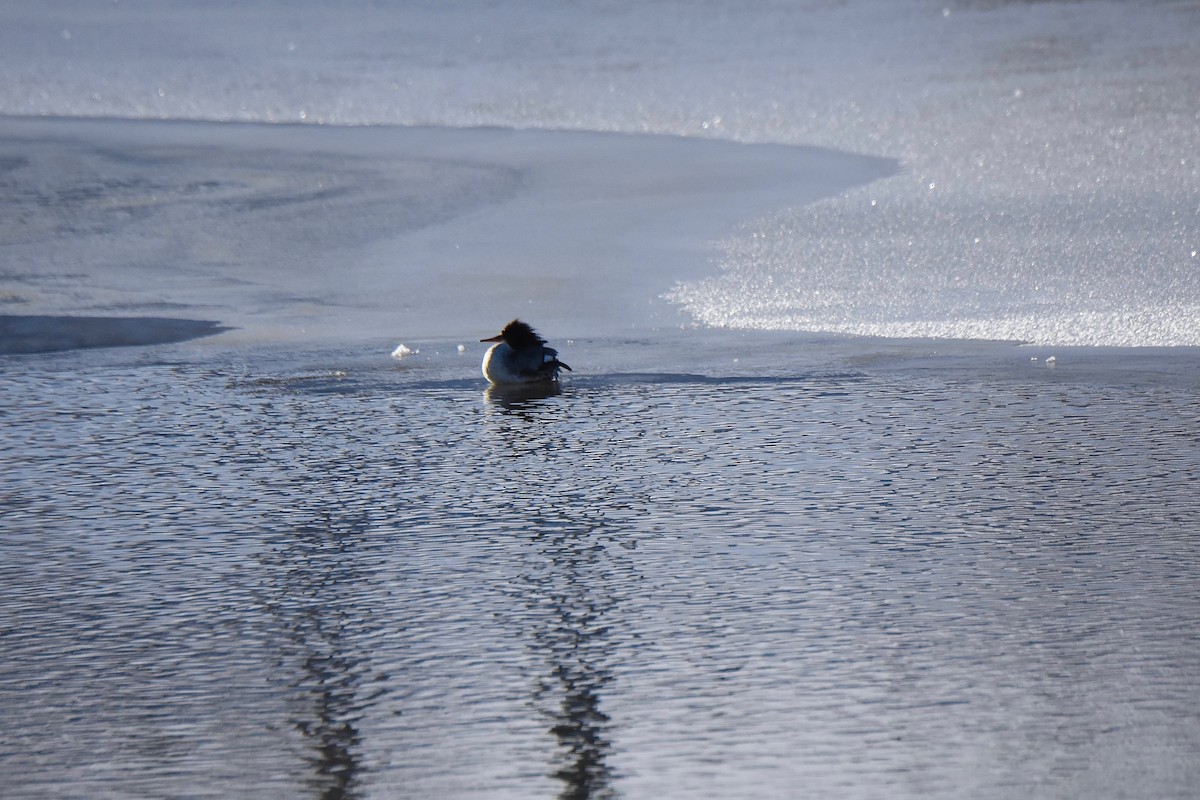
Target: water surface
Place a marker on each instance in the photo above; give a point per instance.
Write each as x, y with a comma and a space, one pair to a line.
332, 576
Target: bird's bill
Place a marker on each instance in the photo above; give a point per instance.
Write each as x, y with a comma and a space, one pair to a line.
499, 337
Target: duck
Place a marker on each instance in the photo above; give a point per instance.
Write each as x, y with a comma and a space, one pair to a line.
520, 356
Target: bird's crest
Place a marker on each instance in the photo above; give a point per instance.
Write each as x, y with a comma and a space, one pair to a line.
519, 334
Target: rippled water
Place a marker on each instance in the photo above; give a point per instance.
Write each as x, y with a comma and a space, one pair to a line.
352, 581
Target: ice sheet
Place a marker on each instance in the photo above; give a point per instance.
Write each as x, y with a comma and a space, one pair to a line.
1049, 183
331, 233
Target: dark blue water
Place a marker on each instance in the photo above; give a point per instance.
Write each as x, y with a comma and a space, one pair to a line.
328, 576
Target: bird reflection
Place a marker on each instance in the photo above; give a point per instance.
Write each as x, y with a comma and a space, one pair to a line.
517, 396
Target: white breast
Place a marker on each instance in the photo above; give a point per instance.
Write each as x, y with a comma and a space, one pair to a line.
496, 364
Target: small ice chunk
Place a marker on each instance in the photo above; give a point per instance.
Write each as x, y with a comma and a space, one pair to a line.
462, 348
403, 350
1051, 361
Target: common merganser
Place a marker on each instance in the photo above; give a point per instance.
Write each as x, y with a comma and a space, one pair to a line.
520, 356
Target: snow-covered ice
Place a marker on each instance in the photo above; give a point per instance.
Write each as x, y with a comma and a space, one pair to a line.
1047, 188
